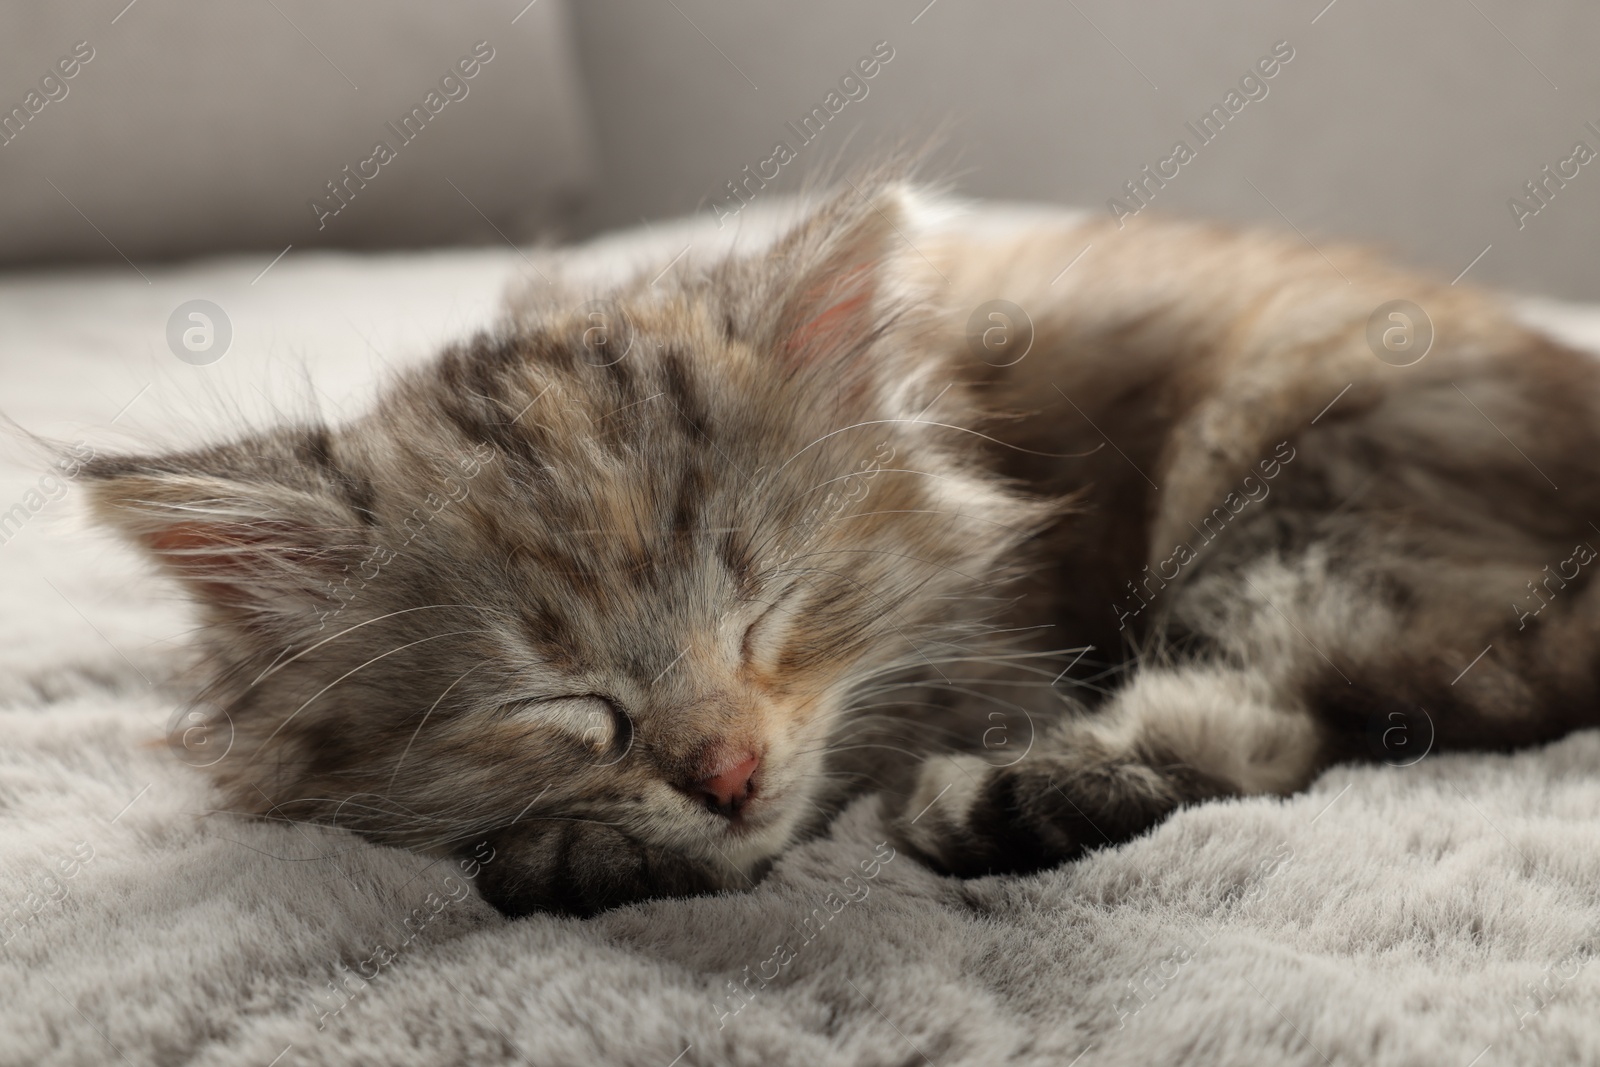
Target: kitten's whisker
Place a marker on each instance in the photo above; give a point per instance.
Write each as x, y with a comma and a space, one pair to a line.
925, 422
911, 753
368, 663
1009, 527
867, 722
407, 750
403, 611
868, 552
871, 472
887, 612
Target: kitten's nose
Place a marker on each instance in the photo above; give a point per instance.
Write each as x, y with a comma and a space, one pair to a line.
728, 789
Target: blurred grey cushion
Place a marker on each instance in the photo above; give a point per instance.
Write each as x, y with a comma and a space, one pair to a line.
187, 127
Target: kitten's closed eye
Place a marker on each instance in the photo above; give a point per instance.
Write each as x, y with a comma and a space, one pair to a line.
596, 722
763, 638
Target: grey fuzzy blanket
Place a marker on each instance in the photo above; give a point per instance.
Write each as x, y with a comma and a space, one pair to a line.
1444, 913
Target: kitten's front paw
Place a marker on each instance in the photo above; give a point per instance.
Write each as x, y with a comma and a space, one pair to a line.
969, 818
584, 868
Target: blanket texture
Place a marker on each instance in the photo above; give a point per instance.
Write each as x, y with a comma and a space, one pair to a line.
1442, 913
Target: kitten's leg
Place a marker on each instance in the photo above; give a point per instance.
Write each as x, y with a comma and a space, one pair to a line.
1234, 723
581, 867
1171, 737
1310, 660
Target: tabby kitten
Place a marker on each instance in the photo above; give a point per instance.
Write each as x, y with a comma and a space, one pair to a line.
614, 586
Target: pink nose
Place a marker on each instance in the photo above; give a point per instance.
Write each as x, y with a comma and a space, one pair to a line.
729, 789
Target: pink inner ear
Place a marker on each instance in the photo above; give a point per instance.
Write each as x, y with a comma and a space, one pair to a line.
835, 327
809, 343
184, 539
182, 547
237, 552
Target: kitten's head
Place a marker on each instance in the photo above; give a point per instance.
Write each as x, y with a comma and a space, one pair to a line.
597, 589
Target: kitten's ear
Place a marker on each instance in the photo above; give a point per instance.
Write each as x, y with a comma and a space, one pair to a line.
833, 280
254, 529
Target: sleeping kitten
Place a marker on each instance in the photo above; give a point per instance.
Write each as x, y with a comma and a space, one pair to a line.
619, 591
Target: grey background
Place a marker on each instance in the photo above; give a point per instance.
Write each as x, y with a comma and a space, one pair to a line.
203, 127
1409, 125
